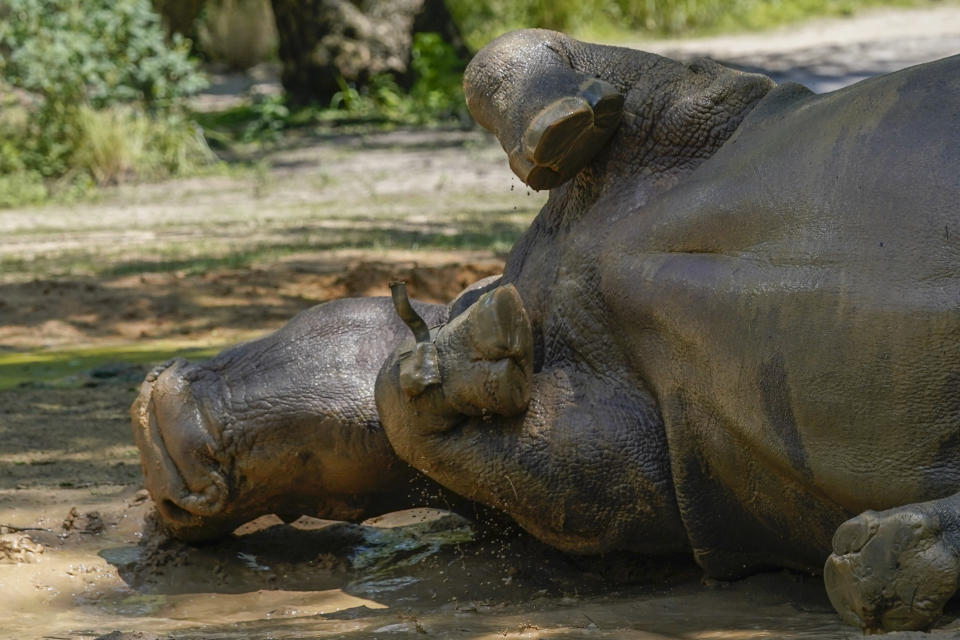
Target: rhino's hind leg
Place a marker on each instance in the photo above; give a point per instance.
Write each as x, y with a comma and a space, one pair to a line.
896, 569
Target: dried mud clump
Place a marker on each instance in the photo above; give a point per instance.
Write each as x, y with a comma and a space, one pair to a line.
18, 548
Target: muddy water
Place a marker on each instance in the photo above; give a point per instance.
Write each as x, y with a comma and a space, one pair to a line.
403, 575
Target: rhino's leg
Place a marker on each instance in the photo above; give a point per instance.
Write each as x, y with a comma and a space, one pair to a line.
577, 460
550, 117
896, 569
285, 424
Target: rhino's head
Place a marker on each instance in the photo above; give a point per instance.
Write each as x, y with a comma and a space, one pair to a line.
285, 425
555, 103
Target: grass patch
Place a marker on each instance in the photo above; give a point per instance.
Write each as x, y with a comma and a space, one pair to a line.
72, 367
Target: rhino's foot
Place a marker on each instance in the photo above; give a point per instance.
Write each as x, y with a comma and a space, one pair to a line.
565, 135
484, 359
892, 570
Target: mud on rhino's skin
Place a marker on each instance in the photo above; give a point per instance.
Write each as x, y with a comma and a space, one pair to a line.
732, 328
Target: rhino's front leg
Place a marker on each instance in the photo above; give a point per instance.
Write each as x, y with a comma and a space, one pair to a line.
577, 460
896, 569
285, 424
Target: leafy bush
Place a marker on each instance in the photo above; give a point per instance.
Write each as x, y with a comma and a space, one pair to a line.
100, 52
22, 187
439, 72
66, 58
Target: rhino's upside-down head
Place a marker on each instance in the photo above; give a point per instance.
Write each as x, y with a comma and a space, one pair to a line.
284, 425
555, 103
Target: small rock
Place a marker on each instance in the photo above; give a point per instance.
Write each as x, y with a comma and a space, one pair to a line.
91, 522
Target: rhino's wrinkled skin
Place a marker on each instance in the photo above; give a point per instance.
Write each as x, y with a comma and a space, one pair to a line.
734, 328
285, 424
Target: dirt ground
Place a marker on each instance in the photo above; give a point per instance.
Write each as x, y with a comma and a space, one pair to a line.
90, 293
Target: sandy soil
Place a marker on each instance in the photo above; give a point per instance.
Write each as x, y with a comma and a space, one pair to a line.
215, 260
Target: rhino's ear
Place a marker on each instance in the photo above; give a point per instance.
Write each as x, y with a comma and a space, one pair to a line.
550, 119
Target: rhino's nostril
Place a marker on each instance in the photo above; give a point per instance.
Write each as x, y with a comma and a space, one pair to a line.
172, 511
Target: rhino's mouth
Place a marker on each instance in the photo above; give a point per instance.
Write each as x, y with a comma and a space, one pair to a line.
177, 449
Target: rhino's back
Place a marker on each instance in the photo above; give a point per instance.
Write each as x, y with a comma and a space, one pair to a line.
796, 307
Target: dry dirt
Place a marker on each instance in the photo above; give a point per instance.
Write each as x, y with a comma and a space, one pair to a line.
209, 261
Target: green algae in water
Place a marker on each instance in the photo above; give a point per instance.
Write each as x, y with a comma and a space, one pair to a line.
71, 368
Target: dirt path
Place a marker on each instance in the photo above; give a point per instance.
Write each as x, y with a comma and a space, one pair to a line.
89, 294
832, 53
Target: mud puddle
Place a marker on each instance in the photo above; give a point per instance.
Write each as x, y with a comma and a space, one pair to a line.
409, 574
106, 570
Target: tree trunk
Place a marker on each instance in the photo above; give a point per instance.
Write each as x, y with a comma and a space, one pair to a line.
325, 42
179, 16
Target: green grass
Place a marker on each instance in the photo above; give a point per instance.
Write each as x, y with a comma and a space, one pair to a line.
71, 367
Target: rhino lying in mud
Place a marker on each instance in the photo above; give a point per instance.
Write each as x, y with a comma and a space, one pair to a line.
734, 329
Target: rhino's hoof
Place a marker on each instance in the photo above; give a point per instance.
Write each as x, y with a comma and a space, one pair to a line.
891, 570
486, 356
566, 134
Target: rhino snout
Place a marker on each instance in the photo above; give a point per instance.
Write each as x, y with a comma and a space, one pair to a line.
178, 448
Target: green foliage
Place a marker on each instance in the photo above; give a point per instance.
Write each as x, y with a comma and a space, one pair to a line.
66, 61
21, 188
436, 96
437, 92
270, 118
96, 52
439, 72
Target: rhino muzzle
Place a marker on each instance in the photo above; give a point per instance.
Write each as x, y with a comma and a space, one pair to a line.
177, 448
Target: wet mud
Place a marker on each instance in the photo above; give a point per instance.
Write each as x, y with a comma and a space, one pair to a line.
408, 574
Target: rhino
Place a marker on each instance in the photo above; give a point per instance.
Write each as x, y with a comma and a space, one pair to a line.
733, 330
